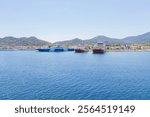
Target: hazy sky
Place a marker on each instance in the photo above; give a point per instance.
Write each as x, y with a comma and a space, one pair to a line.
55, 20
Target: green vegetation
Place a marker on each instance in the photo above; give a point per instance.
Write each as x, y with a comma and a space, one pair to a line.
147, 44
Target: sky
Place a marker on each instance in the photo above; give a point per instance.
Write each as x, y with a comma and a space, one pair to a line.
57, 20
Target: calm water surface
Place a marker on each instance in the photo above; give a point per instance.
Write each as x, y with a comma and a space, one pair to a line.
68, 75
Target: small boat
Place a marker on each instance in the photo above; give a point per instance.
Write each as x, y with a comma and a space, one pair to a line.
81, 50
99, 48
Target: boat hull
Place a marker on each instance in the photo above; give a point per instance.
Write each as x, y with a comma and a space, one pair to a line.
98, 51
80, 50
58, 50
44, 50
70, 49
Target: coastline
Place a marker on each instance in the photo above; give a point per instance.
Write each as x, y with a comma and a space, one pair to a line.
129, 50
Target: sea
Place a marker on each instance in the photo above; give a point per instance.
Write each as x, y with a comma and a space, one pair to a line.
32, 75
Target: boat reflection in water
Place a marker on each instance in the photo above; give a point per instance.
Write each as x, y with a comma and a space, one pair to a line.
99, 48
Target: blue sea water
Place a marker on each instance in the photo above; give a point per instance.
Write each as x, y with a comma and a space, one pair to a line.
68, 75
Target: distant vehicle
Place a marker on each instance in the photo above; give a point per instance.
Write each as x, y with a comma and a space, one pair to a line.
99, 48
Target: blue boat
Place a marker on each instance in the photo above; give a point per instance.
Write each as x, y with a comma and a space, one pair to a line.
55, 49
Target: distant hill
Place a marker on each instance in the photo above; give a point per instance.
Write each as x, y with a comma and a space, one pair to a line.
140, 39
103, 39
33, 42
23, 41
75, 41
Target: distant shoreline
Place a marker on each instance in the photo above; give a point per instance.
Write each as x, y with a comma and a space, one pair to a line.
128, 51
89, 50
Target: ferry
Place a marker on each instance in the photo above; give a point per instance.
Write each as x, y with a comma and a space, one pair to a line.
55, 49
99, 48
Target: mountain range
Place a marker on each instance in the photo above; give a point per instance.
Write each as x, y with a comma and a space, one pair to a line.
23, 41
140, 39
33, 42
